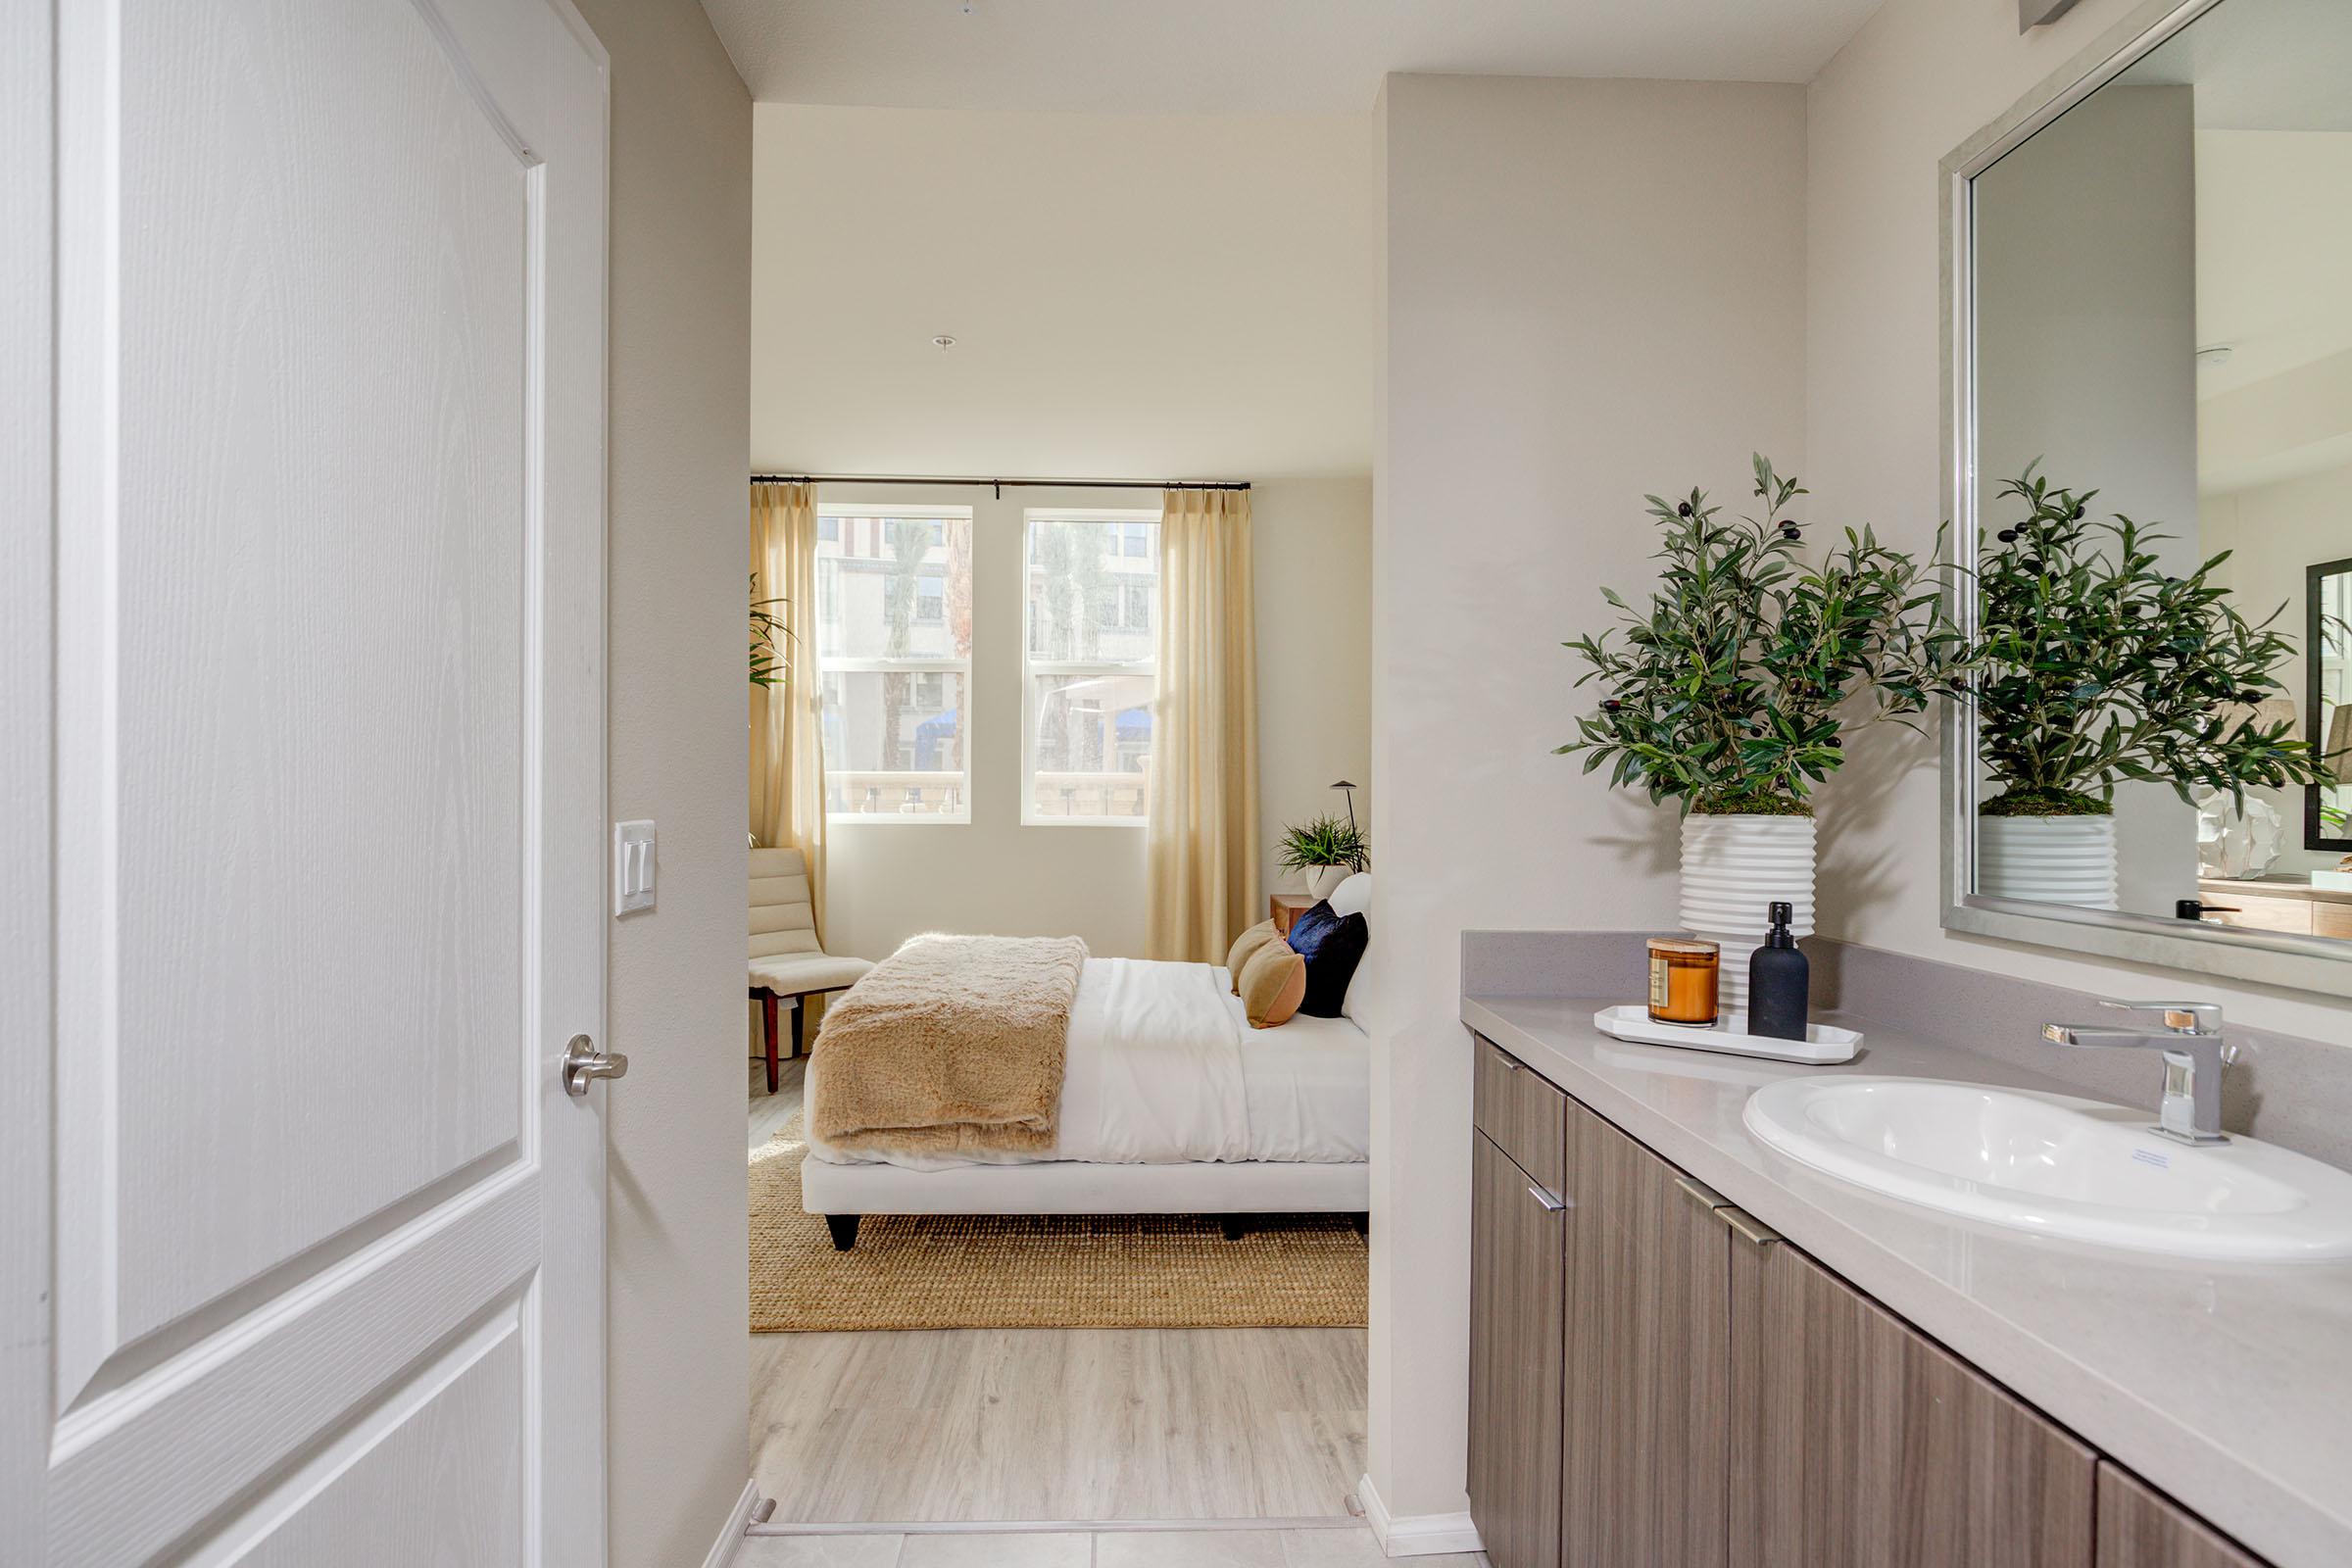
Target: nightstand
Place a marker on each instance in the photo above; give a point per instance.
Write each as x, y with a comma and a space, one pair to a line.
1288, 907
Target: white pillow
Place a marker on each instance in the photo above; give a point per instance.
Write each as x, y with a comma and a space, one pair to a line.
1352, 896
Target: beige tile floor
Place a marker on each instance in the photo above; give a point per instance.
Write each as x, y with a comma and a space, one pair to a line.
1351, 1547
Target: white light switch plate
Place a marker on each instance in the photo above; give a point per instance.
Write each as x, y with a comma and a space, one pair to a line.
634, 867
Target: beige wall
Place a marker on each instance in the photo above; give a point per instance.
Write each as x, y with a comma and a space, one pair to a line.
1918, 79
1314, 652
680, 286
2275, 533
887, 881
1593, 289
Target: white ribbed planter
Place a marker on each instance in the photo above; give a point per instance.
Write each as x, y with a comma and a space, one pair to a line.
2047, 860
1733, 868
1324, 880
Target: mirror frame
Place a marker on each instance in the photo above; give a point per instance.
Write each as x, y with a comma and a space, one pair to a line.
2315, 837
2266, 957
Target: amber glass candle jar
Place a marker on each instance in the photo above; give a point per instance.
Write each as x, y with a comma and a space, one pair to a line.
1682, 976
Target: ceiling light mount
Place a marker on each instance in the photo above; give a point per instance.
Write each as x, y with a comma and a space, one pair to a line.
943, 340
2213, 355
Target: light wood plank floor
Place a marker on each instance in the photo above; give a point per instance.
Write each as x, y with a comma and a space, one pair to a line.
1052, 1424
1318, 1547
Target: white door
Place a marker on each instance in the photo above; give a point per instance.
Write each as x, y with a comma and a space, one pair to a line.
302, 691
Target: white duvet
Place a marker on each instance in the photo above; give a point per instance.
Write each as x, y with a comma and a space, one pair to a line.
1163, 1069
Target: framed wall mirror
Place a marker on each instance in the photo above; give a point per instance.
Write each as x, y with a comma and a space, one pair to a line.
2327, 707
2148, 400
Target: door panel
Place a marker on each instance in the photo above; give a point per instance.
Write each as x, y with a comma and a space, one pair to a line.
1517, 1264
432, 1477
326, 868
1648, 1374
319, 556
1858, 1443
2141, 1527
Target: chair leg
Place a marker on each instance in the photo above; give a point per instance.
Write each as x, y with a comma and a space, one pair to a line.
799, 1008
1235, 1226
767, 1009
845, 1230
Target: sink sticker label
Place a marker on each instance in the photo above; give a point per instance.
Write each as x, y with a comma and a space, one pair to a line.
2149, 1157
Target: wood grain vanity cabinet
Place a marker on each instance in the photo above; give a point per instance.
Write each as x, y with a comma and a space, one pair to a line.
1649, 1360
2141, 1528
1518, 1242
1859, 1443
1658, 1381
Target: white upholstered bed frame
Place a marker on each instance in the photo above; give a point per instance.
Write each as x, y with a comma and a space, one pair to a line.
843, 1193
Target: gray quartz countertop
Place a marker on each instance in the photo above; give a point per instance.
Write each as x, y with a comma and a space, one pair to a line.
2228, 1386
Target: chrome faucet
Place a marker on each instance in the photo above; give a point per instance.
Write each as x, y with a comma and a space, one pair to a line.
2193, 1054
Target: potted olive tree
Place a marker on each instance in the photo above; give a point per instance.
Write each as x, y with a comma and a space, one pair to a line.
2093, 665
1730, 695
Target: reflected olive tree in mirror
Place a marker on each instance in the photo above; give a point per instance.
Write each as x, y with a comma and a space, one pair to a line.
2091, 665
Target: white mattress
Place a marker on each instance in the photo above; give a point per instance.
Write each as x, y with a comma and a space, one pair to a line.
1163, 1069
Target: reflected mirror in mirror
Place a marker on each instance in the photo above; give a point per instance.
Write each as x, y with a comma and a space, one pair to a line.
2161, 439
2328, 633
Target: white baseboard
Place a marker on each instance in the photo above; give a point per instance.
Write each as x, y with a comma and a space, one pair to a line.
730, 1538
1421, 1535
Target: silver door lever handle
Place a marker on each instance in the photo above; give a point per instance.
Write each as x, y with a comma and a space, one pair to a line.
582, 1062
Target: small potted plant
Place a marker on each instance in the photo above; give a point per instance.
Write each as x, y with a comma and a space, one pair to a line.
1325, 849
1730, 692
2093, 665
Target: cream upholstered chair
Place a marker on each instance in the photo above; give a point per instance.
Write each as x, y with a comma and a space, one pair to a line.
786, 961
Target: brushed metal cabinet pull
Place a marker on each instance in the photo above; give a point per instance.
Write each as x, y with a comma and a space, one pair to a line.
1552, 1202
1748, 1227
1703, 1195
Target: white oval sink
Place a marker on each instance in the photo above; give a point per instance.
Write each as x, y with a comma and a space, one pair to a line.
2059, 1166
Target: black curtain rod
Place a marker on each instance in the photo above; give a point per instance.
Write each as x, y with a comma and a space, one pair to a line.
999, 486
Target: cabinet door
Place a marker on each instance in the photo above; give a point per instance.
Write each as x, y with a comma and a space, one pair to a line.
1517, 1259
2143, 1528
1648, 1359
1857, 1442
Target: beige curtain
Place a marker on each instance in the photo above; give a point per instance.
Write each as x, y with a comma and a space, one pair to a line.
1202, 834
787, 766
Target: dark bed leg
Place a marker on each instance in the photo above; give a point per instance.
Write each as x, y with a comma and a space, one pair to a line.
1361, 1223
1235, 1226
845, 1230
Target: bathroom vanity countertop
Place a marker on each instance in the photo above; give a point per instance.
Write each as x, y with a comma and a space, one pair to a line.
2228, 1386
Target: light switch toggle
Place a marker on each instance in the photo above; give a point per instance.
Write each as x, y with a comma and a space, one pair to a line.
634, 867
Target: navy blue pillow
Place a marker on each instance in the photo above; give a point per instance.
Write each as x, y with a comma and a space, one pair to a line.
1332, 946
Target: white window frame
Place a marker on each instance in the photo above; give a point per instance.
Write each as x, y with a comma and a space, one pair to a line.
1032, 665
843, 511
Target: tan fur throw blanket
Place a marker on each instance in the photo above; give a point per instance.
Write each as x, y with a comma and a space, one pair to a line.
950, 1046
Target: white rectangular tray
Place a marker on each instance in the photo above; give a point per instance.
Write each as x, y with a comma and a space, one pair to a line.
1823, 1046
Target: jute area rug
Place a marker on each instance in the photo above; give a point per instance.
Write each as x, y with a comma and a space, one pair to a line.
1042, 1271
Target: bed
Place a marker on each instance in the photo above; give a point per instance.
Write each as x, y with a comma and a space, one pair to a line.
1170, 1103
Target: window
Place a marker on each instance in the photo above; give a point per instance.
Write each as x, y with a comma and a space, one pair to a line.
894, 599
1091, 595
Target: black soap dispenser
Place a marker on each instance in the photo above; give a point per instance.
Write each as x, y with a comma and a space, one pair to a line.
1780, 983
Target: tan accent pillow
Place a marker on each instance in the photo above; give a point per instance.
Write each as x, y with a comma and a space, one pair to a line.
1273, 984
1246, 947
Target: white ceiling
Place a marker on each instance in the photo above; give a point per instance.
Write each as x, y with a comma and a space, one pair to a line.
1145, 296
1246, 56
